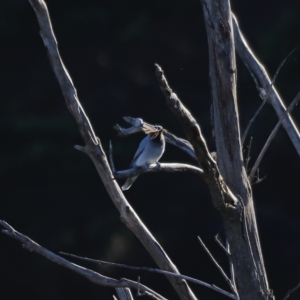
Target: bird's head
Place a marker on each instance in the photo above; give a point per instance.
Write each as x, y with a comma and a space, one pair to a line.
153, 131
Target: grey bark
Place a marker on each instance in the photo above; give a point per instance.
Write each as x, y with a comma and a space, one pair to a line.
241, 228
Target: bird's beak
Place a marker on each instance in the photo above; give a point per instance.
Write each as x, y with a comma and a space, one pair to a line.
149, 129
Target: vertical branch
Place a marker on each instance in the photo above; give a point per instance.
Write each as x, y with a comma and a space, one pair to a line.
222, 72
251, 280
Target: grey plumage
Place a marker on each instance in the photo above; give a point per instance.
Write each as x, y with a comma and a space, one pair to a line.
149, 151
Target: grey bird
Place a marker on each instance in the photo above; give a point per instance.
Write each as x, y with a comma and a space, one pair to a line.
150, 150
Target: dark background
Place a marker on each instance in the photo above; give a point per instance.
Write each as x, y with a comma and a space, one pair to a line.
52, 193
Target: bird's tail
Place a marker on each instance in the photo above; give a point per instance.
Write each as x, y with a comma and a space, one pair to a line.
129, 183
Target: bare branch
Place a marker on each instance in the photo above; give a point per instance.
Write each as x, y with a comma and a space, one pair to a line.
218, 266
250, 60
231, 266
264, 96
87, 273
252, 120
272, 135
217, 239
95, 151
222, 195
187, 278
291, 291
281, 65
189, 124
248, 155
243, 240
111, 159
159, 167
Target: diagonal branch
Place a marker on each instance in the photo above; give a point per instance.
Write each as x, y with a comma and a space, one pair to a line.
222, 195
87, 273
94, 150
259, 71
272, 135
187, 278
189, 124
291, 291
262, 93
218, 266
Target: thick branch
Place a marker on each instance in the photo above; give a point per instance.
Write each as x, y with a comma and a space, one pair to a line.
95, 152
242, 233
87, 273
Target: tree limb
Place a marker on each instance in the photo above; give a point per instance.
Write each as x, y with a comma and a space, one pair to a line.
241, 231
95, 151
251, 61
218, 267
187, 278
272, 135
159, 167
87, 273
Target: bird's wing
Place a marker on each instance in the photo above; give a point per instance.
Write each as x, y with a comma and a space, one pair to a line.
140, 149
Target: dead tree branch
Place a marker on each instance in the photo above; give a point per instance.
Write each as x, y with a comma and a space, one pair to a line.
259, 71
291, 291
95, 151
87, 273
187, 278
272, 135
264, 96
241, 228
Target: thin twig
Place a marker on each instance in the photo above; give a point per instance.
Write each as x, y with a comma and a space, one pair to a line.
159, 271
217, 239
218, 266
111, 160
257, 179
281, 65
291, 291
248, 154
252, 120
272, 135
87, 273
231, 266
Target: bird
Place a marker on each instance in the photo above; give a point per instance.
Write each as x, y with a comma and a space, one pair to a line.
150, 150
